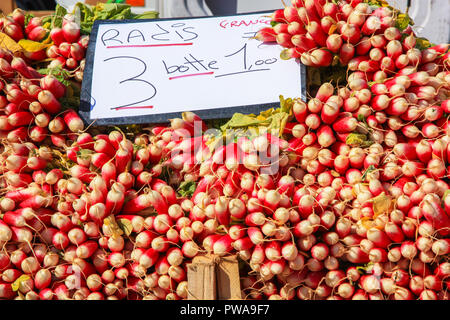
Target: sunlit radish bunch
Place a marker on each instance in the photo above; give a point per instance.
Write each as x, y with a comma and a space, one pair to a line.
68, 45
31, 110
354, 33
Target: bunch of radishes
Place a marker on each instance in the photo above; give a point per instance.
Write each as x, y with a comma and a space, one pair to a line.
30, 106
78, 221
80, 231
67, 45
354, 33
350, 201
385, 133
306, 229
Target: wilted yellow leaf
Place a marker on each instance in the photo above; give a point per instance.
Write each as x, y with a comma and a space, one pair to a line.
234, 220
285, 55
332, 29
367, 222
402, 21
380, 3
113, 226
8, 43
48, 40
382, 204
446, 193
221, 229
335, 174
125, 225
358, 140
354, 192
33, 46
423, 43
16, 284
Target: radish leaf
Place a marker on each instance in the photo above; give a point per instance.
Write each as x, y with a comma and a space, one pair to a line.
16, 284
187, 188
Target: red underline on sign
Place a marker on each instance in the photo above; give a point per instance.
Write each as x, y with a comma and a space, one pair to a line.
191, 75
132, 107
151, 45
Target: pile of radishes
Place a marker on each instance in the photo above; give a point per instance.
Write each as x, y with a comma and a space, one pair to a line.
67, 44
350, 201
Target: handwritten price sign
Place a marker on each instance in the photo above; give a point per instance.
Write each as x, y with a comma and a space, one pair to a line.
148, 71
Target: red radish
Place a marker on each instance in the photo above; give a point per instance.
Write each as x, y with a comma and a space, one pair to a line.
350, 33
60, 240
408, 250
18, 97
223, 245
71, 31
38, 33
33, 23
441, 247
356, 255
49, 102
320, 251
149, 258
290, 14
57, 36
315, 31
432, 282
312, 121
255, 235
428, 295
371, 25
330, 112
325, 135
325, 92
14, 31
77, 51
266, 35
19, 65
434, 213
299, 109
138, 204
286, 40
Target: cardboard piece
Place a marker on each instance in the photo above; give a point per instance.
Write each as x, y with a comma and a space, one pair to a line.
201, 281
226, 278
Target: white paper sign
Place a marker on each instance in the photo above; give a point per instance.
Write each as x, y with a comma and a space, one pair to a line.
209, 64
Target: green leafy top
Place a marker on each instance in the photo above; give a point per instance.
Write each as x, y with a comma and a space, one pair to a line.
61, 74
402, 21
422, 43
368, 170
272, 121
106, 11
274, 23
187, 188
362, 269
55, 19
28, 17
358, 140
